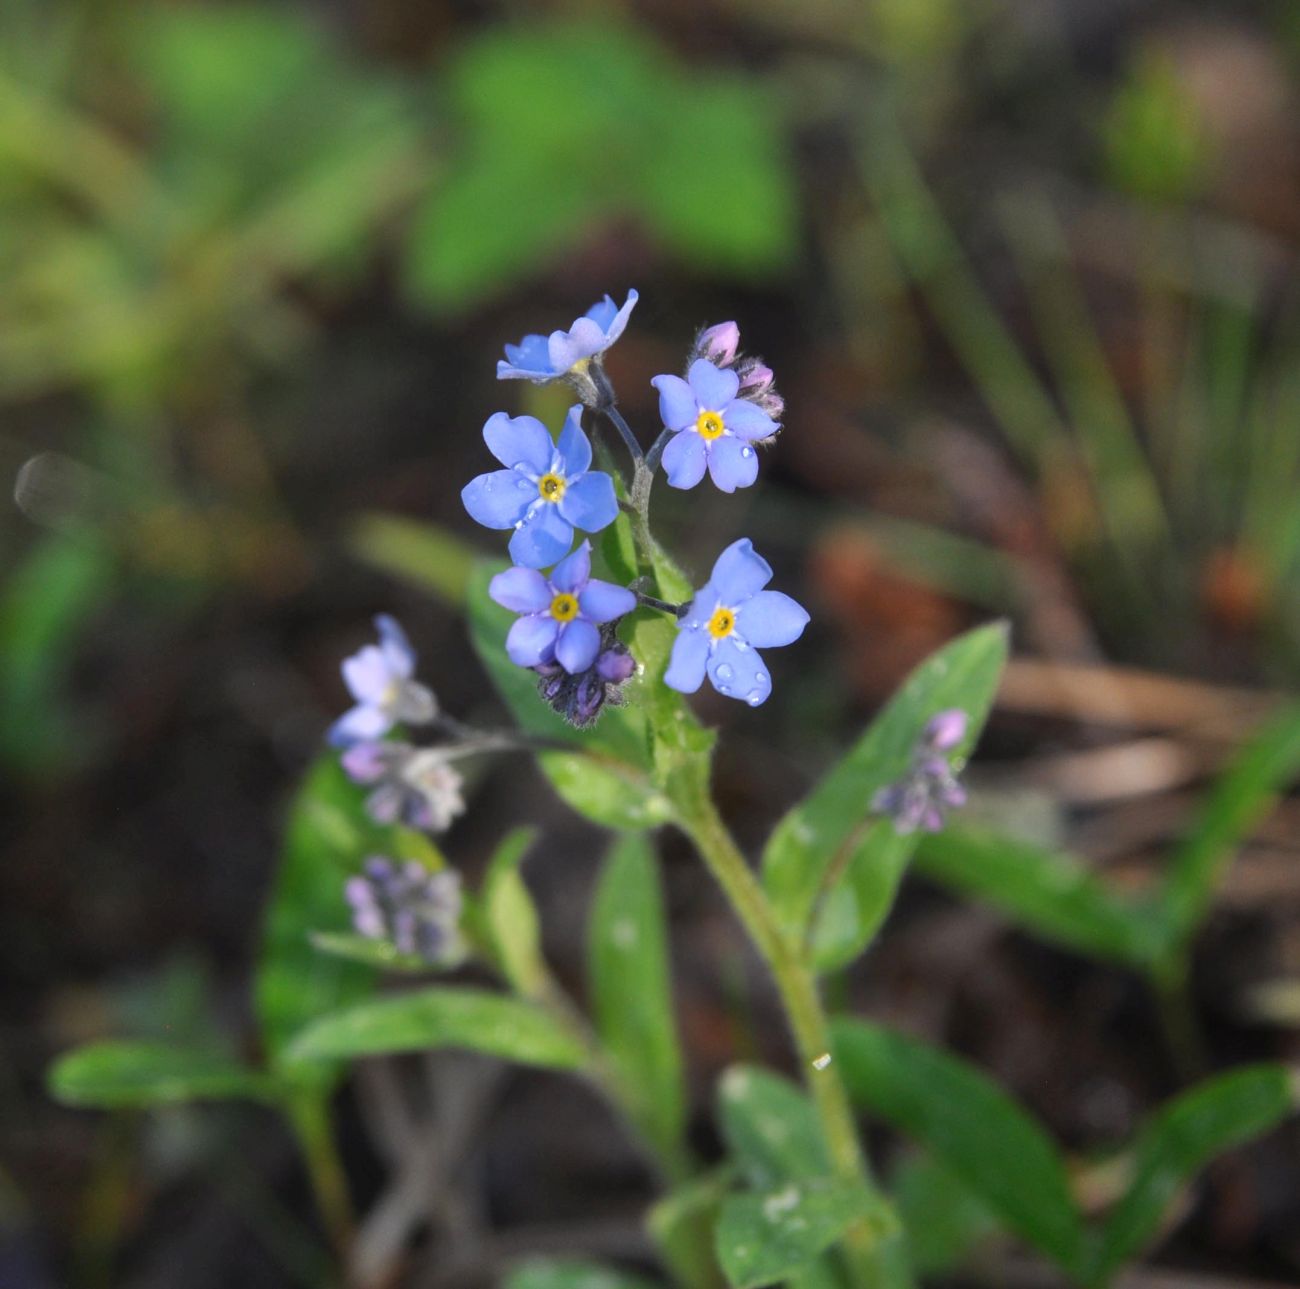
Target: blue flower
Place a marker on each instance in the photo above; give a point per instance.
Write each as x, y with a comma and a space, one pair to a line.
715, 428
728, 621
379, 678
562, 614
416, 911
568, 355
547, 490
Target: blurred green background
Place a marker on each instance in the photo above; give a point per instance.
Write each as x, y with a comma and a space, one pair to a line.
1026, 273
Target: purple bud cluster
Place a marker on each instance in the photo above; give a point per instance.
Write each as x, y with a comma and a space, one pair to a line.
929, 789
416, 911
580, 698
720, 345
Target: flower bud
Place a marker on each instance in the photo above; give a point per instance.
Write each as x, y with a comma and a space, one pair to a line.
718, 344
946, 729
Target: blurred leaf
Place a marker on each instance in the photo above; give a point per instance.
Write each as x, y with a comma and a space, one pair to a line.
942, 1220
511, 916
608, 776
971, 1126
772, 1132
379, 954
538, 101
442, 1016
430, 557
116, 1074
1239, 802
631, 989
765, 1238
682, 1225
828, 864
572, 1274
1177, 1142
1054, 895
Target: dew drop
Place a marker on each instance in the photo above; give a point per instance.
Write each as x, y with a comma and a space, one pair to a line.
724, 671
746, 452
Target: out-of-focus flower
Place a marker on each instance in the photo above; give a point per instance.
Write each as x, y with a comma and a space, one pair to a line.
562, 614
379, 678
923, 796
580, 698
714, 428
414, 786
546, 490
574, 355
728, 621
417, 911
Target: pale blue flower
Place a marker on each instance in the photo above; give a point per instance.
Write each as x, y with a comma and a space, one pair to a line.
379, 678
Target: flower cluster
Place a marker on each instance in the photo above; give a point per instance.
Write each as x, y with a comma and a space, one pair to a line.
567, 629
921, 798
415, 910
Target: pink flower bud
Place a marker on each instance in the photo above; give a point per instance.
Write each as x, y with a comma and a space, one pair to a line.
719, 343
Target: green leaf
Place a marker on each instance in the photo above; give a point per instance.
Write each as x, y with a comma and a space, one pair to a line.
1240, 801
1177, 1142
379, 954
1056, 896
443, 1016
942, 1220
511, 916
545, 1273
608, 777
828, 865
969, 1124
772, 1132
427, 556
631, 988
682, 1225
117, 1074
764, 1238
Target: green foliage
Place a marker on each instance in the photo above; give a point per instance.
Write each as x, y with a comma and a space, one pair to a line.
942, 1220
1179, 1140
566, 126
682, 1224
442, 1016
423, 554
631, 989
510, 916
763, 1238
113, 1075
970, 1125
571, 1274
771, 1129
830, 869
379, 954
610, 779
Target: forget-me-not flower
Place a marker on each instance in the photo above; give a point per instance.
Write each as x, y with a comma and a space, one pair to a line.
562, 614
380, 679
414, 786
728, 621
569, 355
545, 492
416, 911
716, 429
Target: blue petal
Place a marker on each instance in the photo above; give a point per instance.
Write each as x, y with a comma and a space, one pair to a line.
738, 672
521, 590
684, 459
602, 313
519, 441
615, 328
686, 666
532, 640
700, 609
569, 347
530, 357
677, 406
714, 387
367, 674
574, 449
590, 503
361, 722
397, 648
577, 647
747, 420
499, 499
732, 464
571, 574
544, 538
771, 618
602, 602
740, 572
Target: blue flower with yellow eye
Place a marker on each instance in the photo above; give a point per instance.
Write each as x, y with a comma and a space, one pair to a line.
715, 428
728, 621
546, 490
565, 354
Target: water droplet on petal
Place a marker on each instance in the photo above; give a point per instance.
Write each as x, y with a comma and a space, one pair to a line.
746, 452
724, 672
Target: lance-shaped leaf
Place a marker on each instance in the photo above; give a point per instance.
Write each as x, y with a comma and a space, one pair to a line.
115, 1074
510, 917
609, 775
443, 1016
830, 867
969, 1124
631, 990
772, 1132
682, 1225
1178, 1141
1055, 895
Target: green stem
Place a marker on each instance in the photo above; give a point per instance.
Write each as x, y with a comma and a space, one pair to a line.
872, 1244
1178, 1020
309, 1112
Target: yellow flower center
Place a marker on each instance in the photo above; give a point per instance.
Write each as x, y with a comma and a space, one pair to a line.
564, 608
550, 487
722, 623
708, 426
